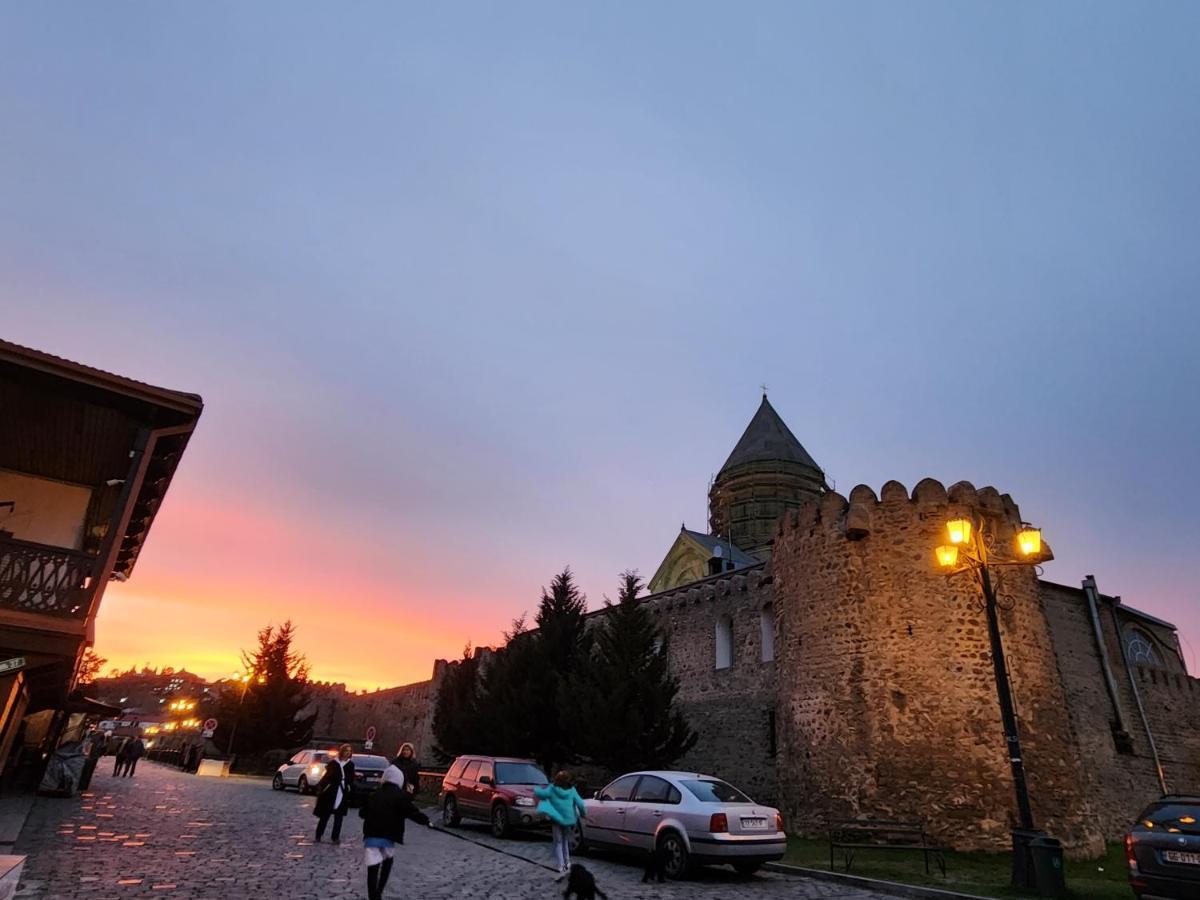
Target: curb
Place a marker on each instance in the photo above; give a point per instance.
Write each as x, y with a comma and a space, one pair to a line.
890, 887
873, 884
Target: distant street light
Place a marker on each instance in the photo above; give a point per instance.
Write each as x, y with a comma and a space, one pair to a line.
245, 678
972, 550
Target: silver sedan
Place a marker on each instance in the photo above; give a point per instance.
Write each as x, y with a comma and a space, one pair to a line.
690, 819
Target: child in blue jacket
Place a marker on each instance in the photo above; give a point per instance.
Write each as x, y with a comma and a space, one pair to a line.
564, 807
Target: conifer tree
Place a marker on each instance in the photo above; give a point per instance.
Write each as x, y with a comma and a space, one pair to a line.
624, 715
267, 708
561, 650
525, 693
456, 712
509, 697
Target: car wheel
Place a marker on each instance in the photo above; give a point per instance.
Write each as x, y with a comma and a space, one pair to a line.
675, 855
302, 784
277, 782
576, 841
499, 820
450, 814
746, 868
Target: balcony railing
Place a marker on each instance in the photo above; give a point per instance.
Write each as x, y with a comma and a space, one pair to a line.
41, 579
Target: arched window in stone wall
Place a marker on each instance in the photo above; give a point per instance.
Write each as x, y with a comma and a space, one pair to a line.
724, 635
1139, 647
766, 623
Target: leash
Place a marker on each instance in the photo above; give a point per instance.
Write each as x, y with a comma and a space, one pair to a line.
470, 840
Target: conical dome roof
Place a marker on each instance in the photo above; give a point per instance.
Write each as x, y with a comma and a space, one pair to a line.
768, 439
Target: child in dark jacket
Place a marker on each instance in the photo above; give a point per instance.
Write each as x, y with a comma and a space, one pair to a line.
383, 814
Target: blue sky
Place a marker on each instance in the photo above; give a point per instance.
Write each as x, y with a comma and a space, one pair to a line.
478, 291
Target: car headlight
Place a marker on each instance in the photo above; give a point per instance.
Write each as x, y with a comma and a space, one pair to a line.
524, 801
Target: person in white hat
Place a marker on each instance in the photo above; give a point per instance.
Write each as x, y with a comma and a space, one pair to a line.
383, 814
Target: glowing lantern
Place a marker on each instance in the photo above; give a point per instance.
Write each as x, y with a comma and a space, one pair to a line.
947, 556
1030, 541
959, 531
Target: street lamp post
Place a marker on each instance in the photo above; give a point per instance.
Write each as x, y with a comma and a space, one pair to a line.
970, 551
245, 678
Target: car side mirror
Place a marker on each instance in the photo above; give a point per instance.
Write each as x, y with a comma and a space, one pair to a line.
486, 779
596, 796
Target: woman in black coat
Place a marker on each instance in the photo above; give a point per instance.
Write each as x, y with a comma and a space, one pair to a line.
384, 813
406, 762
333, 793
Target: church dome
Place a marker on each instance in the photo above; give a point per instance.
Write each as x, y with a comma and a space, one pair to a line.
768, 473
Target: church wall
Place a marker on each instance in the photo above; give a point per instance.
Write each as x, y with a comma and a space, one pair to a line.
1122, 783
731, 708
1119, 783
887, 700
1172, 704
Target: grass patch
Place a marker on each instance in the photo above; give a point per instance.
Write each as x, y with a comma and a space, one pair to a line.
985, 874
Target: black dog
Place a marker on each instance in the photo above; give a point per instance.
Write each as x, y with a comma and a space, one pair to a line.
656, 866
582, 884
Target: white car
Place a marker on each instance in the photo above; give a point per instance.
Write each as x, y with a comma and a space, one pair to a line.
303, 770
691, 819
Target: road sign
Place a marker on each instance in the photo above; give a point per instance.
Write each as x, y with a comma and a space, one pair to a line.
371, 732
11, 665
210, 724
368, 745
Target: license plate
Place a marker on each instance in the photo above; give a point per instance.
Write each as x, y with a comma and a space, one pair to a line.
754, 824
371, 775
1176, 856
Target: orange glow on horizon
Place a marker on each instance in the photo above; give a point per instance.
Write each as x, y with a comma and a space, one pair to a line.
355, 624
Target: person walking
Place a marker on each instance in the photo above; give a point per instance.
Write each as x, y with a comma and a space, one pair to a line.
561, 803
406, 762
333, 793
384, 813
136, 751
120, 756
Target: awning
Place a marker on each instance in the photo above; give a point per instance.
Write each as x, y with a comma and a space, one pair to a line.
77, 703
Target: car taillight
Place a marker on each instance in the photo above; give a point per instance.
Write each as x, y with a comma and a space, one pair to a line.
779, 821
1129, 855
718, 823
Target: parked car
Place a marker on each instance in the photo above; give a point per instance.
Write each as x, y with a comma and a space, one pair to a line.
691, 819
368, 774
303, 770
1163, 849
496, 789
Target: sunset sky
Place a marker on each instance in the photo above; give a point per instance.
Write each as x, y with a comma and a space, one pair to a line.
476, 292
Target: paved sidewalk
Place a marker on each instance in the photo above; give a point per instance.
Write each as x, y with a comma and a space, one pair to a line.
167, 834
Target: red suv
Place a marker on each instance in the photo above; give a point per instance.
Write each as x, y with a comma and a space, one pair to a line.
496, 789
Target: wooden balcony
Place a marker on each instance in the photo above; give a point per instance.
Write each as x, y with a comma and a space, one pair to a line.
50, 581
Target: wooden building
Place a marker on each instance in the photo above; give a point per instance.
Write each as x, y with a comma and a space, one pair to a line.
86, 458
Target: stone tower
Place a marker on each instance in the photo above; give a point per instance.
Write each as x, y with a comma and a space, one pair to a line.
768, 473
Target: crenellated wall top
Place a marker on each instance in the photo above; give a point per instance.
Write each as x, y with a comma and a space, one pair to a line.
855, 514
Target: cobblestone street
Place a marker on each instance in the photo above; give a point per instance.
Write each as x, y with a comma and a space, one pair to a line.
163, 833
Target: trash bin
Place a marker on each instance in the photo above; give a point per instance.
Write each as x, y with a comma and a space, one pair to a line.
85, 777
1024, 878
1048, 871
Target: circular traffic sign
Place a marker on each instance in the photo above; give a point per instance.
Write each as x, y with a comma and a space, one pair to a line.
371, 732
210, 724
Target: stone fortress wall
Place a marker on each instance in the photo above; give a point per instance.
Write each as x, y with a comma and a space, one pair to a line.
888, 703
870, 691
399, 714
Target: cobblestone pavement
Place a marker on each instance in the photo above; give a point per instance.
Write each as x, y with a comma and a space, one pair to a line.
166, 834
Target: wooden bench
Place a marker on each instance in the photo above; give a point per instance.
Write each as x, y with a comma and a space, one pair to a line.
880, 834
